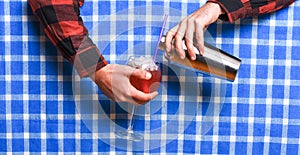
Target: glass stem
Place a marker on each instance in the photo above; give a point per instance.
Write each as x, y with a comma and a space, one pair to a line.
130, 124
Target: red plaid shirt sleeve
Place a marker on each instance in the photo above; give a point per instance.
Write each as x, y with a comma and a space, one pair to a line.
236, 9
63, 25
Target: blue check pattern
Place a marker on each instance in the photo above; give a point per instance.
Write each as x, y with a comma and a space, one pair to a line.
259, 115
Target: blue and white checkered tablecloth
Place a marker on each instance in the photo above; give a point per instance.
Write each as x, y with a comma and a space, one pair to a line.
256, 114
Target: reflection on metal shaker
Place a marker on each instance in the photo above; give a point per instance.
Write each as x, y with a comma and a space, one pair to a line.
213, 62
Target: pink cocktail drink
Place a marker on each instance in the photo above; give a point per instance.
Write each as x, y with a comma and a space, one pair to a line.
145, 63
147, 86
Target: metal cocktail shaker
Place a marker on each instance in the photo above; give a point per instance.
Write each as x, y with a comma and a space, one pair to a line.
213, 62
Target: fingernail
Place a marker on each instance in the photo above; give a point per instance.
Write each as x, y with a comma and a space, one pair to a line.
148, 75
193, 58
181, 57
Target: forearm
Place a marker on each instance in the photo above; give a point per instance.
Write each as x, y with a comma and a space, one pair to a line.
63, 25
236, 9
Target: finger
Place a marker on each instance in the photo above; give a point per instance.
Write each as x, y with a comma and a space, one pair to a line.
167, 56
179, 38
142, 74
189, 37
199, 37
169, 39
141, 97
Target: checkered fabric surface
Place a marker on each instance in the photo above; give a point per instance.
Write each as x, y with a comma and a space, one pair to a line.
260, 113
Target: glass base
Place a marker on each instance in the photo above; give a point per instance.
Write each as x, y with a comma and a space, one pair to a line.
129, 135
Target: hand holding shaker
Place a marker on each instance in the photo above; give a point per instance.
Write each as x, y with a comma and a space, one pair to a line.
145, 63
213, 62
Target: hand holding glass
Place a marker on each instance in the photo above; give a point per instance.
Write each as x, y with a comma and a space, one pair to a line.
147, 86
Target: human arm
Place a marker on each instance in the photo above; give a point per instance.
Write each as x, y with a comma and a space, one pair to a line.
63, 25
191, 28
236, 9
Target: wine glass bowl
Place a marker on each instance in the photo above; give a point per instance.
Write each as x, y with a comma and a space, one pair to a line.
147, 86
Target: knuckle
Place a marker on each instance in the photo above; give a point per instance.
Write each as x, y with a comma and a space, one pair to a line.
121, 99
134, 94
188, 40
177, 46
130, 93
199, 35
190, 47
170, 33
191, 20
180, 34
198, 22
178, 37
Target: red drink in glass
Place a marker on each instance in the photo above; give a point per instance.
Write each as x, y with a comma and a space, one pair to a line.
145, 63
147, 86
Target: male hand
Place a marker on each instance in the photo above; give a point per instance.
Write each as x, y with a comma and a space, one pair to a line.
113, 80
191, 29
